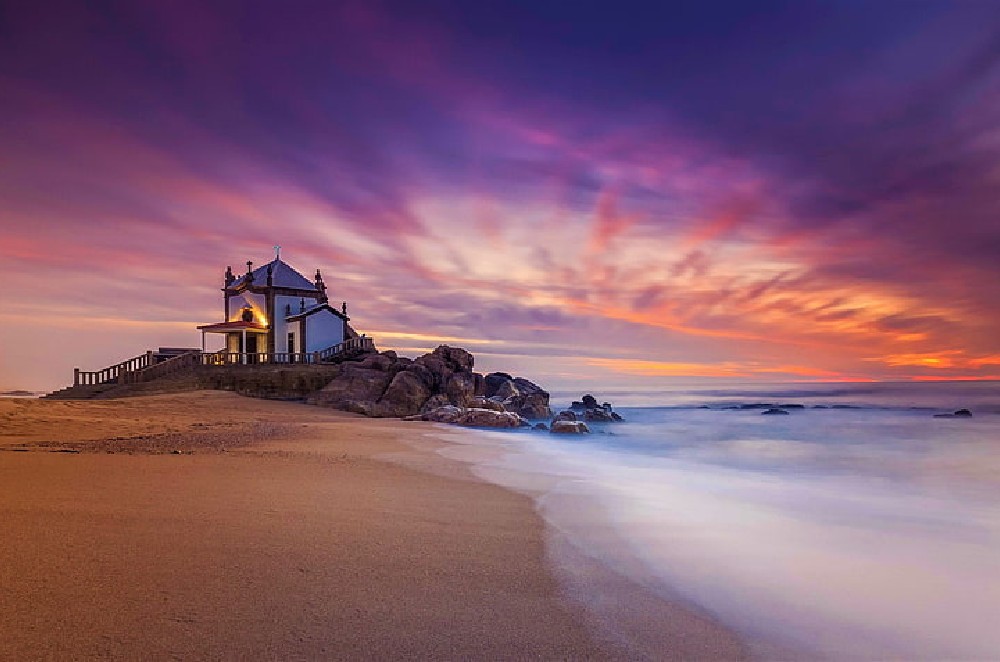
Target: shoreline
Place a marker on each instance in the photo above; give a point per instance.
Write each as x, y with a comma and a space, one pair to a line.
316, 541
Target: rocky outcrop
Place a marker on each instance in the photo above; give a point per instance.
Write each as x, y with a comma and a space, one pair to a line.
774, 411
386, 385
518, 395
591, 411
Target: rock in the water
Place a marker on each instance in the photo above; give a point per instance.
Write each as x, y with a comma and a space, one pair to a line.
565, 416
593, 412
961, 413
540, 426
518, 395
569, 427
774, 411
599, 415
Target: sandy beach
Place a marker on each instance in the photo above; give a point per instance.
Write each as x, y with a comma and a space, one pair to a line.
207, 525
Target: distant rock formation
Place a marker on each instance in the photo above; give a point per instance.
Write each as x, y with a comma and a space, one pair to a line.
603, 413
961, 413
774, 411
433, 386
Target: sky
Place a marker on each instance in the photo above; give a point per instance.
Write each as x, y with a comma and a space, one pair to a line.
603, 194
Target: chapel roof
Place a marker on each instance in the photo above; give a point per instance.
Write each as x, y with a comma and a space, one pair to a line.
312, 310
282, 275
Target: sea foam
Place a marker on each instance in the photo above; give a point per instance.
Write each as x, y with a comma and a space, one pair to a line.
867, 532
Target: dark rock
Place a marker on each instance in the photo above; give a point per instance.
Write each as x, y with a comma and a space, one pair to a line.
603, 413
961, 413
599, 415
569, 427
774, 411
616, 417
540, 426
493, 382
757, 405
792, 406
845, 407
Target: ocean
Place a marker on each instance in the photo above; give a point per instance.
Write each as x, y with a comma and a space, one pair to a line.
858, 526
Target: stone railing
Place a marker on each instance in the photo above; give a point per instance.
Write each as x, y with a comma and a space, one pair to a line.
112, 374
144, 367
171, 366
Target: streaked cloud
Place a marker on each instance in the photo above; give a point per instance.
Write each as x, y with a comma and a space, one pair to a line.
577, 214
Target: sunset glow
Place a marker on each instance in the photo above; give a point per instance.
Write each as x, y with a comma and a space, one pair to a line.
651, 212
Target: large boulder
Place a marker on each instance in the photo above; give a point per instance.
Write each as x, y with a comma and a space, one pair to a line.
405, 396
352, 389
569, 427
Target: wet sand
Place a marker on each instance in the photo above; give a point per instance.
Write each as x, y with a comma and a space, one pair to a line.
207, 525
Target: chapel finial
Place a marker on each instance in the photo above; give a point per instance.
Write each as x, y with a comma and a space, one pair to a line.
321, 286
277, 252
343, 308
249, 278
229, 276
